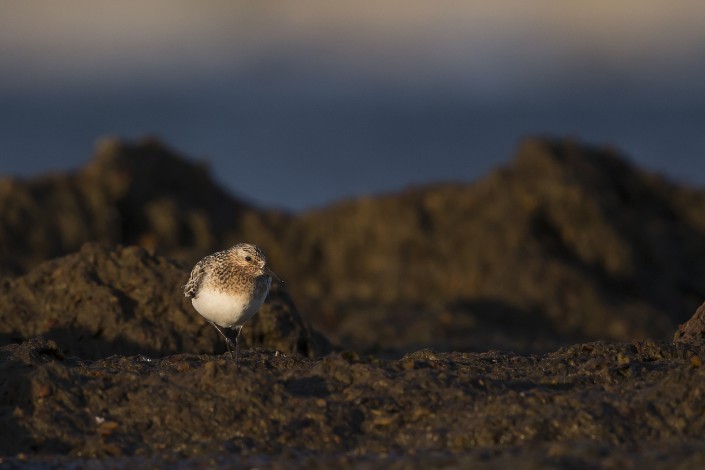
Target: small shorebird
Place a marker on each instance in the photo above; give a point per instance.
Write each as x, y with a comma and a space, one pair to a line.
228, 287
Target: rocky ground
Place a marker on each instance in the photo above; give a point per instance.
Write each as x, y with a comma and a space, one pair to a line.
610, 405
526, 320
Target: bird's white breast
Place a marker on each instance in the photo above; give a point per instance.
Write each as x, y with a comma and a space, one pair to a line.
226, 309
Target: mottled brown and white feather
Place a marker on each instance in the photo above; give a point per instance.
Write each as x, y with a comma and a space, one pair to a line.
228, 287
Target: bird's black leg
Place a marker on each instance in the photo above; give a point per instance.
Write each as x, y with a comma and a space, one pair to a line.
237, 344
228, 343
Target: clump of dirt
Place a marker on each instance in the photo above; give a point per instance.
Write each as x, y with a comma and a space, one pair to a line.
581, 403
692, 331
123, 300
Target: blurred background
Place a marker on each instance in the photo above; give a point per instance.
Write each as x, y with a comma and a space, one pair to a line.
296, 104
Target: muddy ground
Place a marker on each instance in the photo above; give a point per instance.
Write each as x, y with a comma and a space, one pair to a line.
608, 405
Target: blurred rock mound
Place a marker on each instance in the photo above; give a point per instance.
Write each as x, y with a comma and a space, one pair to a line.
566, 243
131, 194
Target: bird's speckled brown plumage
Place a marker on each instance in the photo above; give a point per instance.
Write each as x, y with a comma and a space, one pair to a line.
228, 271
228, 287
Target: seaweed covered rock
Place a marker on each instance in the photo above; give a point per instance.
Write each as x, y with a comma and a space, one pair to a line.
581, 403
104, 300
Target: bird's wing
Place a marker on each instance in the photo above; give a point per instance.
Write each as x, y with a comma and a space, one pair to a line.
197, 274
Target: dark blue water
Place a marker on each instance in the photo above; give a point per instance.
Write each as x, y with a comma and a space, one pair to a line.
303, 145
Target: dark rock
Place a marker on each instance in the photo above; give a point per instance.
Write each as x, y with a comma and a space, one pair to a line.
279, 326
692, 331
578, 406
104, 300
568, 235
142, 193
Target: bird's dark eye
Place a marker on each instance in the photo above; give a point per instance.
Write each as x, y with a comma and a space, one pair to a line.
248, 258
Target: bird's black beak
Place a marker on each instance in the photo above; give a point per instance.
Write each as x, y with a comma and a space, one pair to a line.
269, 272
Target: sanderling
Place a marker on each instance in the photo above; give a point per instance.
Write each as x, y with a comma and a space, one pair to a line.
228, 287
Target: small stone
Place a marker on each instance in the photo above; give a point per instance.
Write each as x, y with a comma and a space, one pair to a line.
41, 390
107, 428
